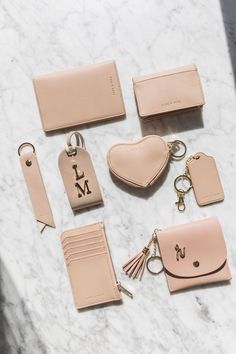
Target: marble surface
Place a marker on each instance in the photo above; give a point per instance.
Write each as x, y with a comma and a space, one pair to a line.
36, 308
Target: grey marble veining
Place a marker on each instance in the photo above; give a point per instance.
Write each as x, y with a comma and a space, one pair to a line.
36, 309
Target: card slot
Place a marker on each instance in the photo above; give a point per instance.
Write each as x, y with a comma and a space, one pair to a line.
79, 232
72, 254
68, 262
83, 243
82, 237
86, 247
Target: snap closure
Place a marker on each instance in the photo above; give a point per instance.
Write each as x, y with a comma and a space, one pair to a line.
28, 163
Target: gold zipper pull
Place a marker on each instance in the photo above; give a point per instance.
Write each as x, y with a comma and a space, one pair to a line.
124, 290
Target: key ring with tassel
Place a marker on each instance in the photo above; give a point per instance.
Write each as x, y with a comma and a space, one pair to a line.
134, 268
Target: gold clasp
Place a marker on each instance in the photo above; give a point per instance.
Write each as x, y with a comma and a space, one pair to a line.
180, 203
180, 191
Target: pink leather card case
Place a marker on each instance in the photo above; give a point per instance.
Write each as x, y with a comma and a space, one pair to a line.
168, 91
78, 96
89, 264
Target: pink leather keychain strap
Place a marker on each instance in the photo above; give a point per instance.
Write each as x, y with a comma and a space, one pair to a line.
35, 185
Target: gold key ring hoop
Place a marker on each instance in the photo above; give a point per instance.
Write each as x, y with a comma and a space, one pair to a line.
151, 259
23, 145
181, 178
176, 143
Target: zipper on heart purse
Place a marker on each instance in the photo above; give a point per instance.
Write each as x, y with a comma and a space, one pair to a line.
190, 255
202, 176
78, 174
140, 163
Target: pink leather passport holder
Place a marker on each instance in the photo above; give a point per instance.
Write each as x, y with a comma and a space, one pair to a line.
168, 91
78, 96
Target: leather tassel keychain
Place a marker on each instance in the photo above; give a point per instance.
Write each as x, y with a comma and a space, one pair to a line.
202, 176
134, 268
34, 181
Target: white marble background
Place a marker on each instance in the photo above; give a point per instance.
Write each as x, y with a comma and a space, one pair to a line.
144, 36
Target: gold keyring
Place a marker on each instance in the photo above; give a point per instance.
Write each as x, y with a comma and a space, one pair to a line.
178, 179
178, 142
151, 259
23, 145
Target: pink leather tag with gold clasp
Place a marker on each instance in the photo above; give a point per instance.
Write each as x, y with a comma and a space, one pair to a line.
205, 179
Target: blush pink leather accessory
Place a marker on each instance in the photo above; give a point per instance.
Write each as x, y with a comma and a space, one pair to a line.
78, 174
168, 91
78, 96
35, 185
192, 254
89, 265
140, 163
201, 174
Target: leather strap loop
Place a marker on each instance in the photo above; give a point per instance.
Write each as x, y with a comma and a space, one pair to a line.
70, 148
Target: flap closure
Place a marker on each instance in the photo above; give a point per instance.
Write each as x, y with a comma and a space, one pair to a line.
193, 249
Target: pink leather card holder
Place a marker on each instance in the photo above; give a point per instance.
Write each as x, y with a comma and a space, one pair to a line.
78, 96
89, 264
168, 91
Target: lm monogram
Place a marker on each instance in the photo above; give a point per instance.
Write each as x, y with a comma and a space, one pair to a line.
82, 190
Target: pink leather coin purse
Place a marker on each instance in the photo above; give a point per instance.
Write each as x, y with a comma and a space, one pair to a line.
191, 254
139, 163
194, 254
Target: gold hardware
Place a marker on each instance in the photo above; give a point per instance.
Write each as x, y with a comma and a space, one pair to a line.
196, 264
179, 252
124, 290
180, 203
23, 145
28, 163
151, 259
184, 177
175, 144
180, 191
71, 151
154, 256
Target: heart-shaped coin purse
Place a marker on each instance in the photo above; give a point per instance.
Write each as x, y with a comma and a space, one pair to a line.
139, 163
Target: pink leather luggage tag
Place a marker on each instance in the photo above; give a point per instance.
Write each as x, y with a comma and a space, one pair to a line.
78, 175
205, 179
200, 174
